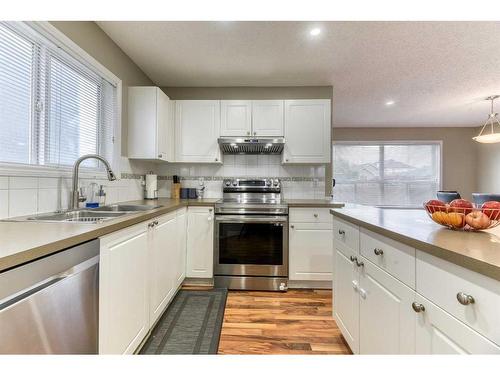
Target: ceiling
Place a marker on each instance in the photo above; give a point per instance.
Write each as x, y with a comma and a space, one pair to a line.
437, 73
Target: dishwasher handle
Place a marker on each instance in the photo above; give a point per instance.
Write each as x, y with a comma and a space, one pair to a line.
26, 293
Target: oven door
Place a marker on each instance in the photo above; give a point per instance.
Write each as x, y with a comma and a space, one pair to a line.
251, 245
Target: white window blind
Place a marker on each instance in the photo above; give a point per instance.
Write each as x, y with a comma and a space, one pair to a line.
54, 108
393, 174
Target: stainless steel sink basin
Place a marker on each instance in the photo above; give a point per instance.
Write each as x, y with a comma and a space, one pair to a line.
79, 216
126, 208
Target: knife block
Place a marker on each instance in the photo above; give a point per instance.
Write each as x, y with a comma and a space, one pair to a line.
176, 190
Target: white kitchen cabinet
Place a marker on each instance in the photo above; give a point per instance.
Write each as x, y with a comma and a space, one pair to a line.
437, 332
236, 118
386, 318
163, 247
310, 245
200, 242
267, 118
180, 259
345, 295
123, 290
307, 131
150, 124
197, 128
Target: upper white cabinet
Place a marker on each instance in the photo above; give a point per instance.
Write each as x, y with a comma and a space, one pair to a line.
307, 131
150, 124
236, 118
197, 128
267, 118
256, 118
200, 242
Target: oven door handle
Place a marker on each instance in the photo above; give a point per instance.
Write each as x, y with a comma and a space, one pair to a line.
250, 219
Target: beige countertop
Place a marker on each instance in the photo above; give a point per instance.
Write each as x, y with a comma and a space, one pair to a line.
22, 242
313, 203
478, 251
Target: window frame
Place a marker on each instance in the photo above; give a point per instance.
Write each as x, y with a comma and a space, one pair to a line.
46, 30
393, 143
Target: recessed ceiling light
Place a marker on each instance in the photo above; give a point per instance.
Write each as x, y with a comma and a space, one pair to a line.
389, 103
315, 31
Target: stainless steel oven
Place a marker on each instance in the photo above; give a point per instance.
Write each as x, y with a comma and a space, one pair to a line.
251, 237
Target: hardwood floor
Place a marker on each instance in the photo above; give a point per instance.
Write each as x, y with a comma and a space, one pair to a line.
295, 322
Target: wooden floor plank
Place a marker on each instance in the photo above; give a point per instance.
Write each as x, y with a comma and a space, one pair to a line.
295, 322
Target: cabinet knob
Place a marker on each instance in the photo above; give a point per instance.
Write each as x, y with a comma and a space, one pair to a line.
378, 251
156, 222
292, 226
355, 285
418, 307
286, 159
465, 299
216, 159
160, 155
315, 215
254, 133
362, 293
353, 258
342, 232
359, 264
248, 133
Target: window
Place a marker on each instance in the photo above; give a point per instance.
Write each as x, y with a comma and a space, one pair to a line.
54, 108
390, 173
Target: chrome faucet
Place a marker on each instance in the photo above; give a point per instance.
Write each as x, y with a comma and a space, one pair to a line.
76, 196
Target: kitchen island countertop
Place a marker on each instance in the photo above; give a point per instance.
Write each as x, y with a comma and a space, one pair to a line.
477, 251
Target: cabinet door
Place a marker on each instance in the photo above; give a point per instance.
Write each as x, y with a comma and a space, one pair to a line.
123, 291
197, 126
236, 118
307, 131
437, 332
310, 251
267, 118
165, 127
162, 270
200, 242
386, 318
346, 298
181, 246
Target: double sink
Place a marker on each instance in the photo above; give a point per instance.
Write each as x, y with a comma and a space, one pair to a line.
90, 215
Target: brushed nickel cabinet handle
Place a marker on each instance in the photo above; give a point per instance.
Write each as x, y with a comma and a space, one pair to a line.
359, 264
342, 232
254, 133
418, 307
315, 215
465, 299
292, 226
353, 258
378, 251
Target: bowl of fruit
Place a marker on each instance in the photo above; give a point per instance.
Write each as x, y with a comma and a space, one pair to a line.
460, 214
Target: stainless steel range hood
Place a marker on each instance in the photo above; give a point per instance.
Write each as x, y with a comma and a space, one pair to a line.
268, 146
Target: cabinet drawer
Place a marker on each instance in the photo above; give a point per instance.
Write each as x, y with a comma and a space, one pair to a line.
440, 282
310, 215
394, 257
346, 233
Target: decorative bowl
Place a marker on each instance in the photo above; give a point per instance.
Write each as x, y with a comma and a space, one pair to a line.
463, 219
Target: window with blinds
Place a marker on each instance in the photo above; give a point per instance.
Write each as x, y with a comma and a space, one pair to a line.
53, 108
389, 174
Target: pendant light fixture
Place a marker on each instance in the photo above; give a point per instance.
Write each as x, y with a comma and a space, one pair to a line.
492, 135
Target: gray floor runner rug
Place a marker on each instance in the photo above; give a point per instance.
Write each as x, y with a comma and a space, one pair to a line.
191, 324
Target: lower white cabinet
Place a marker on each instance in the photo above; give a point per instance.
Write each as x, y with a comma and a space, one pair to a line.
345, 296
163, 244
200, 242
386, 318
141, 268
123, 290
379, 314
310, 251
437, 332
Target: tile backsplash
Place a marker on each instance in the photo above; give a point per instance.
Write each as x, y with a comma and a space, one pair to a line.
298, 181
24, 195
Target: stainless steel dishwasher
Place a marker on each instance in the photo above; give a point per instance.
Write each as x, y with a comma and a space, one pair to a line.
51, 305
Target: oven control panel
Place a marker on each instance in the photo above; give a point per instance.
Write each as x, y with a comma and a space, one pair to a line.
262, 185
